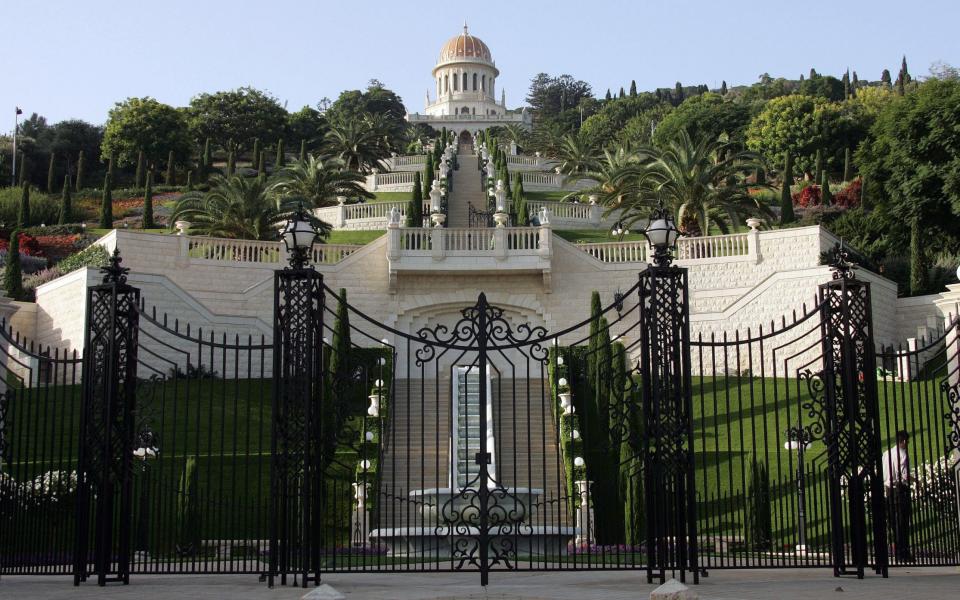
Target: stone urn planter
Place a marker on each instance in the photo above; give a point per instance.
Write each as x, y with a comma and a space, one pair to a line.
438, 219
500, 218
183, 227
754, 223
566, 402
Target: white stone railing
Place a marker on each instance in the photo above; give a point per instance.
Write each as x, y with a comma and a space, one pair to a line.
588, 213
617, 252
405, 162
368, 216
508, 118
441, 249
735, 247
714, 246
230, 251
520, 159
399, 181
540, 180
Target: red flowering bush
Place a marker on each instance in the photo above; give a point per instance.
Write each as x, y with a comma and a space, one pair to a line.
28, 245
808, 196
849, 196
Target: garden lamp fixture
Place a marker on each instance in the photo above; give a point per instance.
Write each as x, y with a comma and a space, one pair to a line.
662, 234
298, 237
619, 230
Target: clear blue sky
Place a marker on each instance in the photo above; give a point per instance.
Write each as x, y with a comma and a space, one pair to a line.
74, 59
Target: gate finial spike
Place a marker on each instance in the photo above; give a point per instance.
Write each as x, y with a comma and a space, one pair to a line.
114, 273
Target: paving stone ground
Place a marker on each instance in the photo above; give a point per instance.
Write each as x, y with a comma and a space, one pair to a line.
775, 584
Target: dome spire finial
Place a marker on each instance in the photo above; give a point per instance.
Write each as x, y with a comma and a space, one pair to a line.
464, 27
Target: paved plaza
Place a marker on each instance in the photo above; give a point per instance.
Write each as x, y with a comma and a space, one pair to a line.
778, 584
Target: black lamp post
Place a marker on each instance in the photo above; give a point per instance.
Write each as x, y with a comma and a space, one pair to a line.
296, 444
145, 453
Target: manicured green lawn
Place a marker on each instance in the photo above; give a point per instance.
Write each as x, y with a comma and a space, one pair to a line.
595, 236
392, 197
546, 196
353, 237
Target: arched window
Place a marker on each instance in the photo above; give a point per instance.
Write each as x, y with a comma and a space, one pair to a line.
474, 82
446, 84
456, 83
465, 110
483, 83
464, 82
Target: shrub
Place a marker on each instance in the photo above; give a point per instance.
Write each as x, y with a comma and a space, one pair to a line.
12, 275
32, 282
95, 256
28, 245
808, 195
849, 196
28, 264
188, 510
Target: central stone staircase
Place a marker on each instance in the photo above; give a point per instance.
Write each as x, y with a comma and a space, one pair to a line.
467, 190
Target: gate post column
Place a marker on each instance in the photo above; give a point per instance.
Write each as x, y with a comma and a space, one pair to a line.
105, 465
852, 428
298, 396
667, 407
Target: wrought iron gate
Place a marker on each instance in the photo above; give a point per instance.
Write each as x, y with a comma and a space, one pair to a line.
329, 441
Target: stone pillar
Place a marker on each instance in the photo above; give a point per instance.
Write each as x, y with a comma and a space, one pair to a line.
585, 522
753, 240
373, 181
500, 241
341, 212
545, 248
596, 213
436, 243
393, 240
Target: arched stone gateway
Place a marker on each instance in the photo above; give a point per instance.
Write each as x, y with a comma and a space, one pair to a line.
466, 142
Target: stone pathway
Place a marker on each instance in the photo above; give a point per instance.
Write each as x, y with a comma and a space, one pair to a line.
776, 584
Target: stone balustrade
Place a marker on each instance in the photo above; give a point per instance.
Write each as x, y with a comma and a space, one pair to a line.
544, 180
617, 252
399, 181
454, 249
734, 247
253, 252
405, 162
367, 216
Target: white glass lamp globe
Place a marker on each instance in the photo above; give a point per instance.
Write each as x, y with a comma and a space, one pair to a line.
562, 381
578, 461
662, 233
559, 360
575, 434
298, 234
364, 464
369, 436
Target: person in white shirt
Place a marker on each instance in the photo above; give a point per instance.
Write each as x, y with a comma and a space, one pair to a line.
896, 483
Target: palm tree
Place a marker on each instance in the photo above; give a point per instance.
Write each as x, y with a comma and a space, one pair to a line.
703, 182
319, 181
238, 207
577, 155
356, 143
513, 132
547, 137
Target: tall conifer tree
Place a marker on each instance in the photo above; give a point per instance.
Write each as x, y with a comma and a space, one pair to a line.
415, 206
826, 198
633, 88
303, 151
141, 169
50, 168
13, 273
281, 157
171, 176
66, 203
106, 203
786, 199
148, 222
23, 218
80, 165
255, 153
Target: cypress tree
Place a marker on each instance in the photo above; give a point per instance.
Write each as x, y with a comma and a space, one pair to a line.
761, 177
622, 94
206, 161
818, 167
759, 514
262, 162
303, 151
23, 218
106, 203
885, 78
428, 170
148, 203
826, 198
255, 154
918, 268
66, 203
230, 162
846, 165
517, 201
13, 274
339, 370
608, 96
23, 170
723, 88
786, 200
678, 93
633, 88
171, 176
80, 171
190, 180
281, 158
50, 173
846, 85
141, 169
415, 206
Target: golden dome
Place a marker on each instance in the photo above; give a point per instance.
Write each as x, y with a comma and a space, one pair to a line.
464, 46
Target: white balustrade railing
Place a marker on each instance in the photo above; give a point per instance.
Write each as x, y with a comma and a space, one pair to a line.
331, 254
523, 160
466, 240
714, 246
617, 252
554, 181
719, 247
472, 241
409, 159
257, 252
415, 239
230, 250
567, 210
